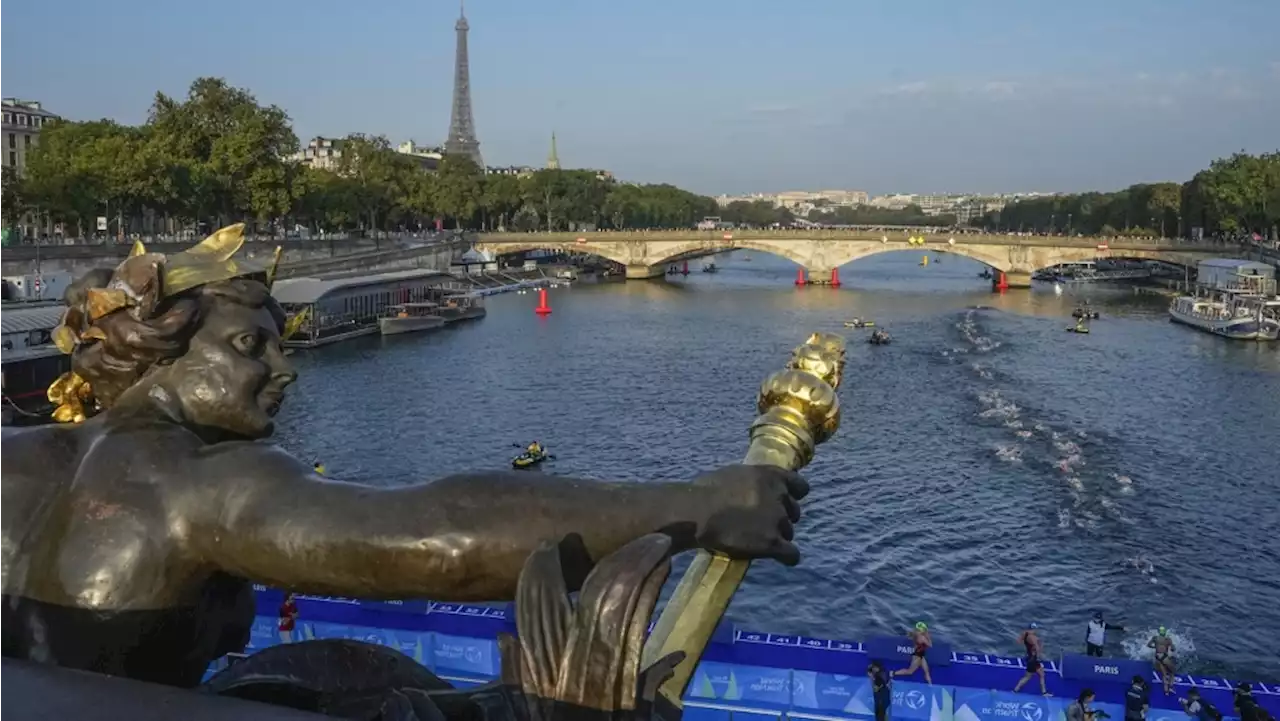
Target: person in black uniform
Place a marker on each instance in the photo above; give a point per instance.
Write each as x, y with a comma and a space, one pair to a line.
880, 690
1137, 699
1247, 707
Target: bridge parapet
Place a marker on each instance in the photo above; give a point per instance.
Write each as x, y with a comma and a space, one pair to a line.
820, 251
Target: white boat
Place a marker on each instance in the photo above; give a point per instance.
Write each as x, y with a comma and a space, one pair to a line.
1240, 316
411, 318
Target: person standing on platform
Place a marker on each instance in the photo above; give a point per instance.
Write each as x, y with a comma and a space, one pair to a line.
1079, 709
1246, 707
1035, 650
880, 690
288, 618
1200, 709
923, 642
1163, 657
1137, 700
1095, 637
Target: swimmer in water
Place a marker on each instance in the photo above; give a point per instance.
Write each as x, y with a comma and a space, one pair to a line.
1163, 657
923, 642
1035, 650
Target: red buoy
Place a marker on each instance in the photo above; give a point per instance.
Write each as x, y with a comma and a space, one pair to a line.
800, 279
835, 277
685, 270
1002, 282
543, 307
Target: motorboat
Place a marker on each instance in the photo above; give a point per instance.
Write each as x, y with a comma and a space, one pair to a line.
1086, 314
410, 318
879, 337
710, 268
1230, 314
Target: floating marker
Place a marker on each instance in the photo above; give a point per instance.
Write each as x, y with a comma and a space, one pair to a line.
543, 307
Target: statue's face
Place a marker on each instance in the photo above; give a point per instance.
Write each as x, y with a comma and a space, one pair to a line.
233, 376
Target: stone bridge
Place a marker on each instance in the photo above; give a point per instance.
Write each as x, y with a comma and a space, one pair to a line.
646, 254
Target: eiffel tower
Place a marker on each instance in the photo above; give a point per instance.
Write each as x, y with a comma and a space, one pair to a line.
462, 126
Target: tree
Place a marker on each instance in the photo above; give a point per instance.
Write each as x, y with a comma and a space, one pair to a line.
226, 155
503, 197
459, 184
13, 196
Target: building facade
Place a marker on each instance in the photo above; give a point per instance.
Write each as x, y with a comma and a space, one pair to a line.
23, 120
321, 153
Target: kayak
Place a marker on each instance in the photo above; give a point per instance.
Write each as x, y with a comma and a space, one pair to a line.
527, 460
1086, 314
859, 324
1073, 329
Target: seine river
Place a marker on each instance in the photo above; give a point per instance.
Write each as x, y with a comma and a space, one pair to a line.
991, 470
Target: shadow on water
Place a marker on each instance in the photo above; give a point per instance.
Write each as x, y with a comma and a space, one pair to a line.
991, 469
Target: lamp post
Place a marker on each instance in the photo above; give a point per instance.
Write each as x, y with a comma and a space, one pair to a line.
1068, 225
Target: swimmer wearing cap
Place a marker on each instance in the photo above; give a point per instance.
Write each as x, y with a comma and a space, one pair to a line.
923, 642
1162, 659
1035, 649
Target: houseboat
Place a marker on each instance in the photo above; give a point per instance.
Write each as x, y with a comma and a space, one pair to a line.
351, 306
457, 306
1231, 314
31, 362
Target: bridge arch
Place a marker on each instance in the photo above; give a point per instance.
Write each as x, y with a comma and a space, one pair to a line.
703, 247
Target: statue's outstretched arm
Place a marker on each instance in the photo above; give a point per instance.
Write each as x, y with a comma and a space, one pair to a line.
254, 511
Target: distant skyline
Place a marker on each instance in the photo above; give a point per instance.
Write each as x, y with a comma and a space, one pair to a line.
717, 96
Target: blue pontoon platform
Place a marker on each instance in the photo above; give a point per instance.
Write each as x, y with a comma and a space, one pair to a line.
749, 676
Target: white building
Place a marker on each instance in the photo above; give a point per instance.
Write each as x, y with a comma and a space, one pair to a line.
321, 153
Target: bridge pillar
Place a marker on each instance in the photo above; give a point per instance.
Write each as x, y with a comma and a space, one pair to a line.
1010, 279
645, 272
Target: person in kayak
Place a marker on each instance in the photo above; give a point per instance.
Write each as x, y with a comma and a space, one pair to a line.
1035, 649
534, 449
923, 642
1095, 636
1163, 657
318, 467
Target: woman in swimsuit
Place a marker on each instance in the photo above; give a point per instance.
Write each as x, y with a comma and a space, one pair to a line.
1035, 648
1163, 657
920, 637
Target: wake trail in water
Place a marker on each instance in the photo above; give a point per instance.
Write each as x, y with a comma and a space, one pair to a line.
1033, 439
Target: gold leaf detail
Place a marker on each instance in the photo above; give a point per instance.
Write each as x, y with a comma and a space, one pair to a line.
103, 301
70, 392
180, 277
222, 244
138, 249
275, 264
294, 323
94, 333
65, 339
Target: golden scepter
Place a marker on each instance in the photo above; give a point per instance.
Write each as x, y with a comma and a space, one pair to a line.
798, 410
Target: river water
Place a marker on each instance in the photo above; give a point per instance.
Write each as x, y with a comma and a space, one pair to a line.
991, 469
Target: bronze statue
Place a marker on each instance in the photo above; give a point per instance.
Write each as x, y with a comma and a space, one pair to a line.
133, 531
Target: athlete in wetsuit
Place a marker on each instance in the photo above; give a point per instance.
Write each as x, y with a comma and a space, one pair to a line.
1035, 649
1163, 657
923, 641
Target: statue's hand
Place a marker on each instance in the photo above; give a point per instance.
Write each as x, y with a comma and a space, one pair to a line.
750, 511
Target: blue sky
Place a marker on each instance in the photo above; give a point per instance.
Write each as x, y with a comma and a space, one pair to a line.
713, 95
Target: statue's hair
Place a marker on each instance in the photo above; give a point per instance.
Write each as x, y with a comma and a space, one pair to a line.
130, 348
